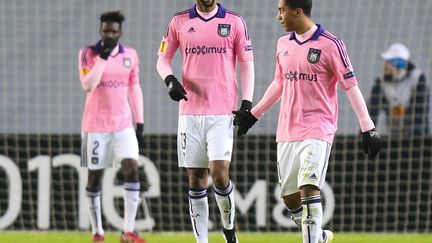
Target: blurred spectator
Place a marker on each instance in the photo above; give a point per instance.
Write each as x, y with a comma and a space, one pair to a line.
402, 92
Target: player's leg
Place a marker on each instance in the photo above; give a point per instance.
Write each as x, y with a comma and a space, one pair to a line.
219, 149
192, 156
288, 166
295, 207
224, 195
93, 156
131, 192
126, 152
313, 155
198, 203
93, 193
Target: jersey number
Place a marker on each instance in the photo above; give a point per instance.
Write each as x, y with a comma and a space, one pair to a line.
95, 158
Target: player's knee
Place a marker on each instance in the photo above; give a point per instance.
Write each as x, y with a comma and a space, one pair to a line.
94, 180
309, 190
220, 174
292, 201
220, 179
130, 169
93, 185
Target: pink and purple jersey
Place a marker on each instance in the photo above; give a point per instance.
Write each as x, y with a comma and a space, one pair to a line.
209, 49
107, 107
309, 73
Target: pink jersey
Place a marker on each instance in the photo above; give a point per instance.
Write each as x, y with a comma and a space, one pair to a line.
309, 72
209, 49
107, 107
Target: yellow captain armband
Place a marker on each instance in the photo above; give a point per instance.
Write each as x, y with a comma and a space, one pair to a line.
163, 46
85, 71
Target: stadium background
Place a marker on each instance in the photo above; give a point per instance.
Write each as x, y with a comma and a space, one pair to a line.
41, 103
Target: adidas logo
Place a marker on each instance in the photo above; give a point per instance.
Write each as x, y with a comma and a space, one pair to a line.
313, 177
286, 54
191, 30
227, 153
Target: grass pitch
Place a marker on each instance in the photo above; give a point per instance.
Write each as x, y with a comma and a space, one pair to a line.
79, 237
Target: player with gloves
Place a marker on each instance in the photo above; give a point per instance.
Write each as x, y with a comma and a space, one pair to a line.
109, 75
310, 64
212, 39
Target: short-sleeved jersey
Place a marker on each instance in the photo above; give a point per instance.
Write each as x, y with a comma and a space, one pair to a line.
107, 107
209, 49
309, 72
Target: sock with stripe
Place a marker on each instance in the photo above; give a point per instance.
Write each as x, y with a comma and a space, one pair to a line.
94, 207
131, 191
225, 202
199, 213
311, 219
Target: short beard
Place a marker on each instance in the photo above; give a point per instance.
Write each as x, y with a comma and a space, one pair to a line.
205, 5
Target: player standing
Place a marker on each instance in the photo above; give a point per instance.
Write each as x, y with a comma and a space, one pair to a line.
310, 62
211, 39
109, 75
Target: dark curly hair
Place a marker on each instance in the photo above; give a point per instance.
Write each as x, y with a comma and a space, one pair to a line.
112, 16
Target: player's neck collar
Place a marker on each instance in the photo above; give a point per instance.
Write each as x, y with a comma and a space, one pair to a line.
193, 13
315, 36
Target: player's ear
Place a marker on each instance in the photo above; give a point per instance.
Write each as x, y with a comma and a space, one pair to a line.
100, 31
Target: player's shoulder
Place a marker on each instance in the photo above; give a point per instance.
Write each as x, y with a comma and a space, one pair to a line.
332, 40
285, 38
184, 14
127, 50
89, 50
235, 17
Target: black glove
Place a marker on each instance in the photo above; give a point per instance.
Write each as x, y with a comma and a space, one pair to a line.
175, 89
245, 120
108, 46
371, 143
139, 132
245, 106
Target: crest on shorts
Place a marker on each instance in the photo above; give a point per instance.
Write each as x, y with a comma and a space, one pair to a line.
95, 160
224, 30
127, 62
314, 55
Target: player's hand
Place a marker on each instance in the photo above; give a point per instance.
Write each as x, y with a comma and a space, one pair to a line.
108, 46
371, 143
245, 120
139, 132
175, 89
245, 106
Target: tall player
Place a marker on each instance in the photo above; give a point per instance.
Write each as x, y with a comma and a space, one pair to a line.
211, 39
310, 63
109, 75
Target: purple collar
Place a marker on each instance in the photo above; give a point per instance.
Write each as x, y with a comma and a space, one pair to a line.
315, 36
193, 13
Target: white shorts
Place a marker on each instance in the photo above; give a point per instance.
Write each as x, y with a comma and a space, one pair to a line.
302, 163
104, 150
204, 138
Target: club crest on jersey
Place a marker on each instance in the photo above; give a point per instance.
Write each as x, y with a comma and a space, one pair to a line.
314, 55
224, 30
127, 62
